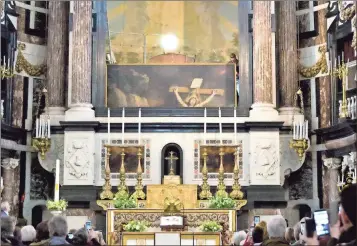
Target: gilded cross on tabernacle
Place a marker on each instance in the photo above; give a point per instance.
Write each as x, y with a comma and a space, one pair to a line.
171, 160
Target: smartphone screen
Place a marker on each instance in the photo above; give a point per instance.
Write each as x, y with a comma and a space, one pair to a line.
302, 228
70, 235
321, 222
89, 225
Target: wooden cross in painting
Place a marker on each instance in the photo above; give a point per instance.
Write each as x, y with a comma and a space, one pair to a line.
171, 160
193, 98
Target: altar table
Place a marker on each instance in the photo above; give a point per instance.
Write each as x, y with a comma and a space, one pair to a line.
170, 238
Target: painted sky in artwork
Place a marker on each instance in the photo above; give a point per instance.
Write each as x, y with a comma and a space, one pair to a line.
206, 29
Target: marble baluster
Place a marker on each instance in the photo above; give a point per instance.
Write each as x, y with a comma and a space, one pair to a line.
287, 59
57, 54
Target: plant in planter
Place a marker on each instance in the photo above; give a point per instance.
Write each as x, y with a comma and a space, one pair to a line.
221, 202
210, 226
125, 202
136, 226
60, 205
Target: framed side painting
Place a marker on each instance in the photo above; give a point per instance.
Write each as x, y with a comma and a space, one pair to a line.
155, 85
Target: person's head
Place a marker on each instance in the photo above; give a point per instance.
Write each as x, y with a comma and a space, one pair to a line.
7, 226
276, 227
57, 226
21, 222
263, 225
258, 235
239, 237
28, 233
5, 206
348, 206
233, 58
42, 232
80, 237
289, 235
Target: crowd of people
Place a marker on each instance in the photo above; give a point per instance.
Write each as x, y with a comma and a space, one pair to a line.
47, 233
276, 232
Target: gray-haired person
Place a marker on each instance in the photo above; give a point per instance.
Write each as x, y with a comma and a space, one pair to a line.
276, 228
5, 209
58, 230
7, 231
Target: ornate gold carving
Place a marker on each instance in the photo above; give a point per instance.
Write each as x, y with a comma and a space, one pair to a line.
341, 72
320, 66
42, 145
122, 188
139, 193
221, 187
105, 204
354, 27
300, 146
236, 192
205, 188
172, 205
23, 65
347, 13
107, 187
156, 194
240, 204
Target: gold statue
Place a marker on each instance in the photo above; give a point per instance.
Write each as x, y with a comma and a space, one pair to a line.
172, 205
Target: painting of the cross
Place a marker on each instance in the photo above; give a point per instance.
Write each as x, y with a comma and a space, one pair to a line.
154, 85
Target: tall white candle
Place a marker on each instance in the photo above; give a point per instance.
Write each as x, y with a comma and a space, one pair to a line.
37, 128
339, 60
204, 126
49, 128
139, 127
57, 180
122, 126
343, 60
41, 128
294, 130
220, 124
235, 125
307, 130
108, 125
301, 130
3, 62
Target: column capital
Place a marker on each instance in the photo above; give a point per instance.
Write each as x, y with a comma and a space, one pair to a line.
10, 163
332, 163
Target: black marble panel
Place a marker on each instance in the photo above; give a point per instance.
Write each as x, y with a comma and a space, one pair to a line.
42, 181
300, 182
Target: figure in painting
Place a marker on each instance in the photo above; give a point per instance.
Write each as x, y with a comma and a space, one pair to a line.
194, 95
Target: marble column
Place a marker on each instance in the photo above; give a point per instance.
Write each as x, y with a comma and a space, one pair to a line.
10, 192
80, 61
287, 60
262, 60
57, 56
331, 173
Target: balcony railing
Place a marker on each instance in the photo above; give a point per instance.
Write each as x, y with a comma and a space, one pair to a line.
351, 107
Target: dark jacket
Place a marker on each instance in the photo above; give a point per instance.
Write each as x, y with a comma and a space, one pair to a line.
347, 237
275, 242
41, 243
10, 241
58, 241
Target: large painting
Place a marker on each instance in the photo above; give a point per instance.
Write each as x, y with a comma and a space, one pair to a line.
195, 85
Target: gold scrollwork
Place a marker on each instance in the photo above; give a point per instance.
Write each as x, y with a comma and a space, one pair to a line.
354, 39
22, 64
346, 14
320, 66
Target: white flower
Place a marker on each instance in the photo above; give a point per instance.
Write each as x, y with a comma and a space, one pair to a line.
137, 227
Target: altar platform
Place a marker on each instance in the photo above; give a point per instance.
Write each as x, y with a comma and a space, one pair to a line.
170, 238
116, 218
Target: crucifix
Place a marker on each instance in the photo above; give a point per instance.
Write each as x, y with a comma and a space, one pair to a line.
171, 160
195, 91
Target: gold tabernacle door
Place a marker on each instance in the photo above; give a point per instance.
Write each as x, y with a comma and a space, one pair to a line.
156, 194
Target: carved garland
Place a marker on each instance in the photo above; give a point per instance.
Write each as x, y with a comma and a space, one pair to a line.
24, 65
347, 13
354, 40
320, 66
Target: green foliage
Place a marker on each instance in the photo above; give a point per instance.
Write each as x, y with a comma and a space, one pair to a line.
210, 226
124, 202
60, 205
221, 202
136, 226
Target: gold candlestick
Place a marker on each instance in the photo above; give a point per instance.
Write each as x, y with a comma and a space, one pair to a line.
139, 193
122, 188
221, 186
42, 145
205, 188
107, 187
236, 192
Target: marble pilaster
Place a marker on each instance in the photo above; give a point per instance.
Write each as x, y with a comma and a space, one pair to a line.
287, 61
11, 181
80, 61
262, 61
330, 178
57, 55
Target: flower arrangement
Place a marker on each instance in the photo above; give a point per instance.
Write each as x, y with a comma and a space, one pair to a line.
210, 226
136, 226
59, 205
221, 202
125, 202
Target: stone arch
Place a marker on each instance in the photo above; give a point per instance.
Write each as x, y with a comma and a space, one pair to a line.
165, 164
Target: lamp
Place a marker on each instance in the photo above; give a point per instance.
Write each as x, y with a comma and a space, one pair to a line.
42, 140
169, 42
